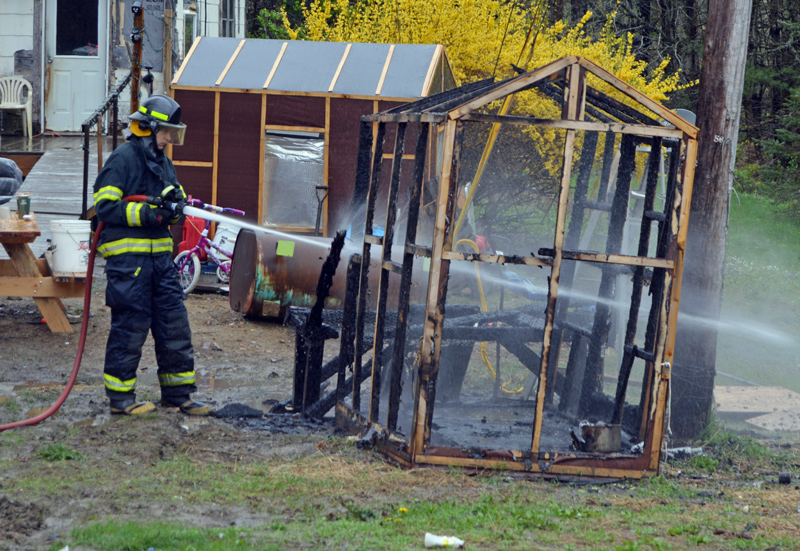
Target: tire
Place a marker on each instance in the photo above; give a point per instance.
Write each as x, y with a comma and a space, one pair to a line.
190, 274
221, 275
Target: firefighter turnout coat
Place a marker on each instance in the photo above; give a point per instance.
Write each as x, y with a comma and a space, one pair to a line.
142, 289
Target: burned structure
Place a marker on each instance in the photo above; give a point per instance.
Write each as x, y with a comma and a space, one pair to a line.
549, 357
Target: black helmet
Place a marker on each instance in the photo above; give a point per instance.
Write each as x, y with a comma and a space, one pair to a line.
159, 113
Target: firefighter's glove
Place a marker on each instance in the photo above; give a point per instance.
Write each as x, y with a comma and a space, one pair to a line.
173, 193
154, 217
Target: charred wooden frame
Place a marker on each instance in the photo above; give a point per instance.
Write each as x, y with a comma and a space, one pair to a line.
440, 121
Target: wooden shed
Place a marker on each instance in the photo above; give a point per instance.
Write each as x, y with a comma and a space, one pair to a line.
270, 120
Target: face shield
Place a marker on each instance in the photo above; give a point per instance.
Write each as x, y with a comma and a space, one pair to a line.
174, 132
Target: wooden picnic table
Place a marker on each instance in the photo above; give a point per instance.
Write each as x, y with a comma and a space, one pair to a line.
25, 276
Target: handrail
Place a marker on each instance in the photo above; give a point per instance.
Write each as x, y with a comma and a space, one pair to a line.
110, 102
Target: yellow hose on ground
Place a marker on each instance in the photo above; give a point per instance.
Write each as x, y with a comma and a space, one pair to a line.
484, 352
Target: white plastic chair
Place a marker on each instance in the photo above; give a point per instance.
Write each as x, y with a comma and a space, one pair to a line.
17, 93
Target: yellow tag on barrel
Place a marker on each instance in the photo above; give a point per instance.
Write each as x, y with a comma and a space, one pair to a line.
285, 248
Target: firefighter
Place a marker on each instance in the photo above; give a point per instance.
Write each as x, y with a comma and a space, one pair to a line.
143, 290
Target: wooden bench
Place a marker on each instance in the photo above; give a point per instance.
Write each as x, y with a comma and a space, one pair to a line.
25, 276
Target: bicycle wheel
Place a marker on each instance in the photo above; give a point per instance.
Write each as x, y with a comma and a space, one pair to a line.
223, 276
190, 274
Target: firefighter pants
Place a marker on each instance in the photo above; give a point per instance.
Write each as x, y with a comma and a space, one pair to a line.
144, 294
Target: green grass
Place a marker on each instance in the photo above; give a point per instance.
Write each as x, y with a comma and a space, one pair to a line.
346, 498
59, 452
133, 536
760, 338
517, 516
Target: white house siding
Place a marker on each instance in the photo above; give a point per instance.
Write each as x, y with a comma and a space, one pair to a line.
16, 31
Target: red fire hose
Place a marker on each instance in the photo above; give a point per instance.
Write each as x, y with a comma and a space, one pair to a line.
87, 300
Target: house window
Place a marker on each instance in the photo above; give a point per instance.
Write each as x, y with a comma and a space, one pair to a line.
76, 28
227, 18
189, 31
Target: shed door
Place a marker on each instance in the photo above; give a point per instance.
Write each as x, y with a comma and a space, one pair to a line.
76, 60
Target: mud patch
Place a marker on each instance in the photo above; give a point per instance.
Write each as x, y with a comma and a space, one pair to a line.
19, 520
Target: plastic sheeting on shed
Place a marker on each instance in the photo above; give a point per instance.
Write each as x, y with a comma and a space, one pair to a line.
385, 70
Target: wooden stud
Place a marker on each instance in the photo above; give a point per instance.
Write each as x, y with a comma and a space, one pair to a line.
215, 168
339, 68
497, 259
186, 61
279, 127
555, 272
431, 70
406, 157
432, 326
275, 65
326, 161
385, 70
663, 371
205, 164
534, 468
261, 144
230, 62
617, 128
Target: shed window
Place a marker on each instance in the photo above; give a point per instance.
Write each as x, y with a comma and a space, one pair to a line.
293, 168
227, 20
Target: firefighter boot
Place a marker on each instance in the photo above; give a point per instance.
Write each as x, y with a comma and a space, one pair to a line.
186, 405
129, 406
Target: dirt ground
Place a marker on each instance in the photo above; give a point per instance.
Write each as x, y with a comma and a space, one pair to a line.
237, 361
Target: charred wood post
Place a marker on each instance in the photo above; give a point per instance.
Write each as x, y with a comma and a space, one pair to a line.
322, 406
654, 166
593, 377
386, 268
346, 347
363, 285
401, 329
312, 335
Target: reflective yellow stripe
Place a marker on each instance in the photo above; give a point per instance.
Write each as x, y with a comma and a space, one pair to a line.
130, 245
133, 214
155, 114
112, 383
109, 193
176, 379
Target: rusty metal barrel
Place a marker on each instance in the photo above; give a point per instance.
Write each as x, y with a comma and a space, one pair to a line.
272, 272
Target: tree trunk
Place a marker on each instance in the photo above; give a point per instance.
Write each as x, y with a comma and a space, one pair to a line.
718, 112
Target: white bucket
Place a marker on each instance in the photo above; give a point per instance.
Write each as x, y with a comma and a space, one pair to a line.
70, 243
225, 236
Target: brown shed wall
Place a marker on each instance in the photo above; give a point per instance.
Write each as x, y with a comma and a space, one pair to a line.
197, 112
295, 111
238, 155
342, 158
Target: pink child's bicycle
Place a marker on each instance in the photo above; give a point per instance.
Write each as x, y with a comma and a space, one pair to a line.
188, 262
